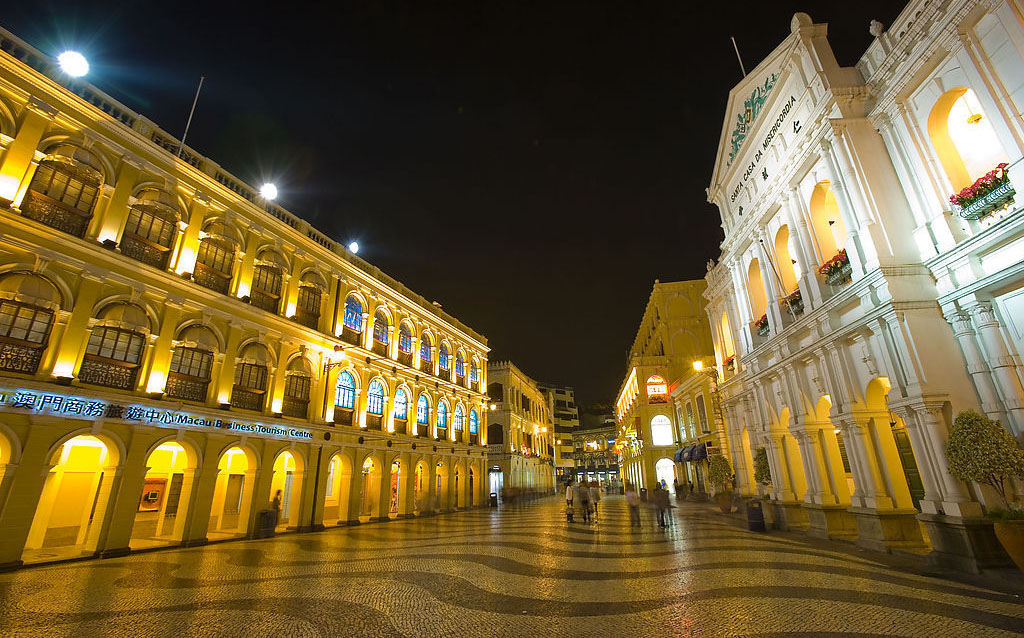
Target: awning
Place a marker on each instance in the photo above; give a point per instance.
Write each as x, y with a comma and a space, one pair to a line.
700, 452
677, 457
687, 453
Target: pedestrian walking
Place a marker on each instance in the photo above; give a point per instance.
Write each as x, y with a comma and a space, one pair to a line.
275, 506
584, 498
568, 501
661, 502
595, 497
633, 501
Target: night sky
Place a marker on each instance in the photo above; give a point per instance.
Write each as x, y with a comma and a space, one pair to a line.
532, 166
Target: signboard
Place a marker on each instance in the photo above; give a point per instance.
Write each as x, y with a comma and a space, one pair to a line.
657, 389
89, 408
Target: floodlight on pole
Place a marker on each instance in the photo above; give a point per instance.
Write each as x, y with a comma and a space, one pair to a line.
268, 191
73, 63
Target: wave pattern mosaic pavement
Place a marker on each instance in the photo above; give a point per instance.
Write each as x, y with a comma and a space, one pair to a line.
520, 571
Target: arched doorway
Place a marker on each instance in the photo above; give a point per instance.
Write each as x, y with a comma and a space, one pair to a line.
665, 470
458, 494
396, 482
288, 480
166, 494
755, 290
336, 492
442, 485
472, 487
419, 487
370, 488
962, 135
495, 480
73, 503
826, 221
232, 495
892, 453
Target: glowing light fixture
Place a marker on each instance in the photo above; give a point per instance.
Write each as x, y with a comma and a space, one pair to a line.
698, 365
73, 63
268, 191
354, 247
973, 118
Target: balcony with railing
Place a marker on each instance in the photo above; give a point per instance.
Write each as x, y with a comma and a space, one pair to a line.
18, 356
374, 421
186, 387
264, 300
400, 426
295, 407
343, 416
405, 358
348, 335
445, 375
379, 347
55, 214
210, 278
107, 372
422, 429
306, 318
247, 398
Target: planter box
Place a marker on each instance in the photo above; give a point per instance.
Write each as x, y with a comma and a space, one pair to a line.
763, 330
841, 276
796, 306
997, 198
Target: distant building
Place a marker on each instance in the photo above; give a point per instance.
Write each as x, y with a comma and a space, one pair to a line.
520, 432
594, 451
566, 417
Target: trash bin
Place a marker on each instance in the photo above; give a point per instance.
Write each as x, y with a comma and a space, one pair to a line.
643, 494
265, 524
494, 499
755, 516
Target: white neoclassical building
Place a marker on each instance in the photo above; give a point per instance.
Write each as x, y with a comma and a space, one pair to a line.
855, 308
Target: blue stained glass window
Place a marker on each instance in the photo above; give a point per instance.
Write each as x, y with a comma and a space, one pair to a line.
442, 415
404, 339
353, 314
473, 372
345, 392
380, 327
458, 418
401, 404
442, 359
375, 398
422, 409
473, 422
425, 348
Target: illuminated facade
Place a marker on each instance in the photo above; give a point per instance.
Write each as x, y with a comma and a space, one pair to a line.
566, 418
520, 432
855, 308
594, 453
176, 351
650, 406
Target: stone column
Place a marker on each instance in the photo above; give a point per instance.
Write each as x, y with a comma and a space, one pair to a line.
188, 246
806, 254
355, 488
201, 501
977, 367
17, 159
384, 494
226, 380
1004, 367
406, 487
854, 250
109, 224
159, 361
76, 334
125, 497
242, 280
870, 492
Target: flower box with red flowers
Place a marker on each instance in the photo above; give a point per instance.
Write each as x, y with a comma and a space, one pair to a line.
762, 325
795, 302
837, 270
730, 362
988, 193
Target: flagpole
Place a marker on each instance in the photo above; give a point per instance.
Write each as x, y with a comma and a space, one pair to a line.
738, 55
189, 122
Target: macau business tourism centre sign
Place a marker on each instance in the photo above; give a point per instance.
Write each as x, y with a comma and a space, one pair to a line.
77, 407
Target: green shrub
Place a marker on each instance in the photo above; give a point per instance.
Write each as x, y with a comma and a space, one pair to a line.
980, 449
720, 472
762, 471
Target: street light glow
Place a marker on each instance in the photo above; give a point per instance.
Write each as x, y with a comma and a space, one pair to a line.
354, 247
73, 63
698, 365
268, 191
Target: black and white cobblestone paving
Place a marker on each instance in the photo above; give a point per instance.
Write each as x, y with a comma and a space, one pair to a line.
520, 571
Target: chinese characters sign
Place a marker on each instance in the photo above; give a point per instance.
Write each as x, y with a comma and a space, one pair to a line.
89, 408
657, 389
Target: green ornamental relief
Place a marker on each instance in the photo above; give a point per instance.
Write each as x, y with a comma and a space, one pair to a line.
751, 109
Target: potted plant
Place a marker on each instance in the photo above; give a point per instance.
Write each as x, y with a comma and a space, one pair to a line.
838, 269
730, 363
763, 476
762, 325
988, 193
795, 303
720, 476
981, 450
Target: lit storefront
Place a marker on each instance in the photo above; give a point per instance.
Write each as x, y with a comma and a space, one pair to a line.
179, 356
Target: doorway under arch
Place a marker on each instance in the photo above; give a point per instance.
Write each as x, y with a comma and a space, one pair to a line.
370, 489
395, 490
288, 475
73, 504
166, 496
665, 470
232, 495
336, 492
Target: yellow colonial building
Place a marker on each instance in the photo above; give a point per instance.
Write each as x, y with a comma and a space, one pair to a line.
667, 412
177, 353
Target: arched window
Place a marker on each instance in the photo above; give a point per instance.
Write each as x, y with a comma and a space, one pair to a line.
404, 338
442, 415
251, 372
345, 391
375, 398
352, 320
474, 422
460, 369
425, 346
401, 405
661, 430
380, 333
296, 388
216, 258
267, 277
191, 364
27, 305
963, 137
789, 270
444, 360
755, 290
64, 190
115, 348
307, 302
422, 410
727, 343
458, 418
151, 228
826, 221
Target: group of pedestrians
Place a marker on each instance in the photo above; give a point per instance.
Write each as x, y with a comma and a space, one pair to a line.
583, 497
661, 504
